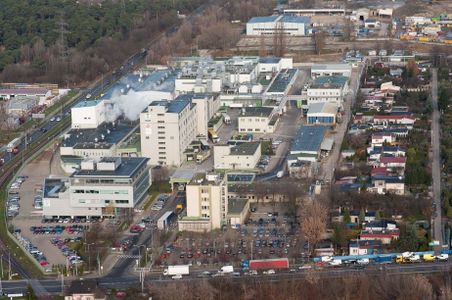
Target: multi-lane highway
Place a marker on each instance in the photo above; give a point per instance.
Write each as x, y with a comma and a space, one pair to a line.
54, 287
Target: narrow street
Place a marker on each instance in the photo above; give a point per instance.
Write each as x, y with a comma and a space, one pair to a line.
328, 166
436, 171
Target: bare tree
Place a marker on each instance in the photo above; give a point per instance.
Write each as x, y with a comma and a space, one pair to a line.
313, 222
319, 41
262, 46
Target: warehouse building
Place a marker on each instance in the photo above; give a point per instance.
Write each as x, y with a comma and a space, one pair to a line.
20, 106
307, 144
318, 70
111, 187
270, 25
244, 156
167, 129
322, 113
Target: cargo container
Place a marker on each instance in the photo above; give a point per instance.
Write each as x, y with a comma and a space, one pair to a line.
266, 264
384, 259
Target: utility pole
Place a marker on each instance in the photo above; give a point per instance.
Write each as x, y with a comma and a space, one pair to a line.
62, 284
9, 264
1, 262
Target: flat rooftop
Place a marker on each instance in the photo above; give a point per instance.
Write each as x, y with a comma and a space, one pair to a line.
128, 167
256, 112
269, 60
282, 80
308, 139
245, 148
175, 106
106, 135
331, 82
322, 107
265, 19
87, 103
206, 179
332, 67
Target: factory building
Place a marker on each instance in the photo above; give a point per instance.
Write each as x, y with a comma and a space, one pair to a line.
88, 114
318, 70
270, 25
167, 129
111, 187
332, 89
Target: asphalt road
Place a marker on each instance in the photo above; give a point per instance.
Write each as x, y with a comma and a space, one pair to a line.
328, 167
53, 287
436, 170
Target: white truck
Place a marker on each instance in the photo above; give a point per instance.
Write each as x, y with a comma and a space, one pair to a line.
177, 270
226, 270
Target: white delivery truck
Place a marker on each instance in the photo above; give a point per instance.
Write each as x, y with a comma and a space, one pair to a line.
177, 270
226, 270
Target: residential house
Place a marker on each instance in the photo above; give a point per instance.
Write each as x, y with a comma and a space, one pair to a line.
364, 247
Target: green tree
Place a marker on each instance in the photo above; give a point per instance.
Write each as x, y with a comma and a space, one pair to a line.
377, 215
347, 218
362, 216
408, 240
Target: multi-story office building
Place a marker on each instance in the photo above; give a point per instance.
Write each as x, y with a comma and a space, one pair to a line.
167, 128
111, 187
207, 203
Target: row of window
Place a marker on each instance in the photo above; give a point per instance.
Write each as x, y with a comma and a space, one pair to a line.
84, 201
110, 192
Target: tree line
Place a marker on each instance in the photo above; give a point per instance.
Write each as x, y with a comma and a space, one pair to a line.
70, 42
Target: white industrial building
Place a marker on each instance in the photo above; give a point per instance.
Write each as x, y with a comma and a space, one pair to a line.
331, 89
318, 70
257, 120
206, 107
322, 113
287, 24
244, 156
111, 187
274, 64
8, 93
95, 143
167, 128
88, 114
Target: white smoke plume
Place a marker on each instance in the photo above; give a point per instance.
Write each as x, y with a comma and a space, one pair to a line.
130, 105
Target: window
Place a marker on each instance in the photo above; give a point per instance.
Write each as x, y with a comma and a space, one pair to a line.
160, 115
160, 121
162, 152
122, 201
81, 201
162, 148
162, 143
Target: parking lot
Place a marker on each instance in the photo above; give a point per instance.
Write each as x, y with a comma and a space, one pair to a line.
28, 218
268, 233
